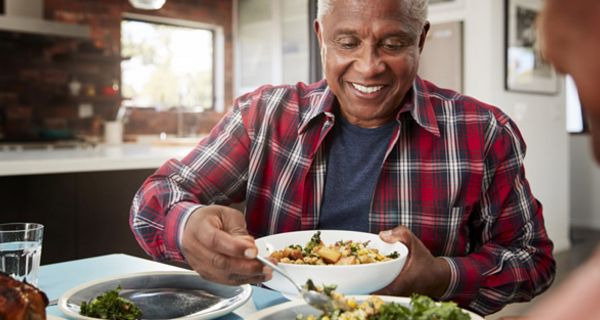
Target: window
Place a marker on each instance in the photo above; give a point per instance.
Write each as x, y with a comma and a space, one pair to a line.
575, 116
170, 63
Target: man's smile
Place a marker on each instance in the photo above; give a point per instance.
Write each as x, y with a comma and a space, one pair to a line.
366, 91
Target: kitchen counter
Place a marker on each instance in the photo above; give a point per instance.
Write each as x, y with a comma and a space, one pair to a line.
86, 159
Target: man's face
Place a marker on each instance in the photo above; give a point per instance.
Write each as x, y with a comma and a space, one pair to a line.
370, 57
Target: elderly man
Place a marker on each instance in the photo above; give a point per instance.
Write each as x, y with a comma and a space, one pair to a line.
373, 148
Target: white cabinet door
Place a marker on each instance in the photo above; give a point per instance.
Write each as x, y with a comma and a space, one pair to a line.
272, 43
442, 58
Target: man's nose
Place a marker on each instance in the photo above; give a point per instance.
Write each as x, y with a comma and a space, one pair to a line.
368, 61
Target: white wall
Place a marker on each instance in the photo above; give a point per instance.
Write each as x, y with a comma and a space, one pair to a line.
541, 118
585, 184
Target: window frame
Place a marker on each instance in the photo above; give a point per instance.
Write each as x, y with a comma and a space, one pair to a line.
218, 49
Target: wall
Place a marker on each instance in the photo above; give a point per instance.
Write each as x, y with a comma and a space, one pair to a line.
45, 66
104, 17
541, 118
585, 184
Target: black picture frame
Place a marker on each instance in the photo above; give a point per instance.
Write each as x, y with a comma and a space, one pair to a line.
525, 70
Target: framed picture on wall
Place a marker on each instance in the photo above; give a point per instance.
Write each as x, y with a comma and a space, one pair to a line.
525, 69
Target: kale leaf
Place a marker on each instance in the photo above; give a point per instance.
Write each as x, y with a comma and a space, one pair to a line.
315, 240
424, 308
110, 306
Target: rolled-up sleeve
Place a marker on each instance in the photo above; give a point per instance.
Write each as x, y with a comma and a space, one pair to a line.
214, 172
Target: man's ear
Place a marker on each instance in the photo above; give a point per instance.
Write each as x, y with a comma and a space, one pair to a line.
423, 36
317, 28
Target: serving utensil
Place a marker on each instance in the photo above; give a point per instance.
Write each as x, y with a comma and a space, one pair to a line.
315, 299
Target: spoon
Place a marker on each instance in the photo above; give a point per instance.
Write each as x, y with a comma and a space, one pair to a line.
316, 299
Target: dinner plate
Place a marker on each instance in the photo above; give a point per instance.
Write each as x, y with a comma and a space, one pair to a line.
290, 310
162, 295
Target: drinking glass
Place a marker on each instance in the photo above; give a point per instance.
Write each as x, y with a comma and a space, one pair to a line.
21, 250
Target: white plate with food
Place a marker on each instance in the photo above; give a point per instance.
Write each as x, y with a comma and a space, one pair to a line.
158, 295
357, 262
298, 309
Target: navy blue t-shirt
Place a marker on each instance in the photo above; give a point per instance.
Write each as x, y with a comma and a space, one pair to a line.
353, 165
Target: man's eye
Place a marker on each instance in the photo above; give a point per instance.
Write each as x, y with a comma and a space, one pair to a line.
393, 47
347, 43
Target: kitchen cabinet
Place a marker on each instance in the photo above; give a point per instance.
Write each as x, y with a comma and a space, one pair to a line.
85, 214
442, 58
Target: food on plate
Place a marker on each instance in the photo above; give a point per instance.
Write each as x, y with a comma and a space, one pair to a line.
20, 300
343, 252
374, 308
110, 305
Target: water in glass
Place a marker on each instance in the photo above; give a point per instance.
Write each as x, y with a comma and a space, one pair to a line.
21, 251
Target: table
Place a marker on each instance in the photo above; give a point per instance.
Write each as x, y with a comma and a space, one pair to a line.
55, 279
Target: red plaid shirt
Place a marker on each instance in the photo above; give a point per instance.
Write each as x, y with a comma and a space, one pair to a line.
453, 174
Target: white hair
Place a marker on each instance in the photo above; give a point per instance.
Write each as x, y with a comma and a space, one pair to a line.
416, 12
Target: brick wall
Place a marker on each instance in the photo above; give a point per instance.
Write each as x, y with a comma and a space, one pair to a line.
35, 99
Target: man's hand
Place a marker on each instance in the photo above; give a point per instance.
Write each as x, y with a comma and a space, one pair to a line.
217, 245
422, 273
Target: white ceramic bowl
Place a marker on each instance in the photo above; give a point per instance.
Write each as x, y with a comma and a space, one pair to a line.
350, 279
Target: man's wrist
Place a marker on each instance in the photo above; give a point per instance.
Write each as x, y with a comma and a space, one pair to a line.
182, 224
441, 277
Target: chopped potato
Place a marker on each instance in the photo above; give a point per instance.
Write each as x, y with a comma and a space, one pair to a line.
347, 260
329, 255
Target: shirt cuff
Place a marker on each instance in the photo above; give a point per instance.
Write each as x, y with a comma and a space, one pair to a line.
174, 226
453, 280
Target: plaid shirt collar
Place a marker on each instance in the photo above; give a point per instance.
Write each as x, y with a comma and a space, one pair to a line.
418, 104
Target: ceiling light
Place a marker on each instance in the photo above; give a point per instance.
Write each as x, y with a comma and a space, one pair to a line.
147, 4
